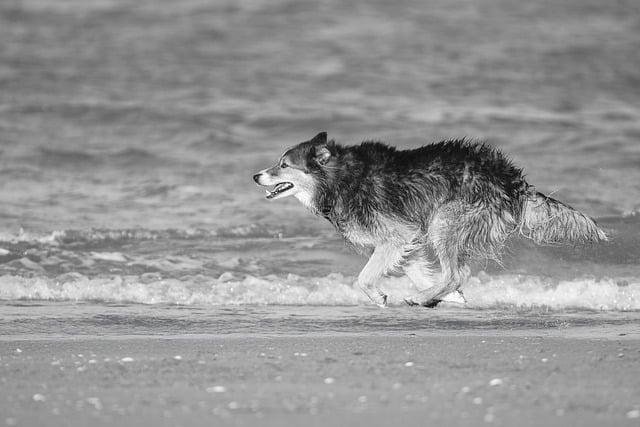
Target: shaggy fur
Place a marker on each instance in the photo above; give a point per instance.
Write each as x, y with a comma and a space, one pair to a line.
447, 202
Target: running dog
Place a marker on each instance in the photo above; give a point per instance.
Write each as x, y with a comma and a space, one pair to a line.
450, 202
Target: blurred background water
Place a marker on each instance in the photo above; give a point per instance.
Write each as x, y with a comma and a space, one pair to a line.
129, 131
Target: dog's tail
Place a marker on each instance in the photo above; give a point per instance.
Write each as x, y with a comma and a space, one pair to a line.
548, 221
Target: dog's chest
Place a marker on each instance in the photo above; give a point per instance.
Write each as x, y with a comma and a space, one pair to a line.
360, 236
382, 231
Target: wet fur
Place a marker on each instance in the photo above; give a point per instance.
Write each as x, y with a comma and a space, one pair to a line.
450, 201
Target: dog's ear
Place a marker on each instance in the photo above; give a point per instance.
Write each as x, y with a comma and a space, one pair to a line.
322, 153
320, 138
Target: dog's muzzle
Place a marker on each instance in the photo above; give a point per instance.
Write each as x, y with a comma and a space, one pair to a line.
279, 188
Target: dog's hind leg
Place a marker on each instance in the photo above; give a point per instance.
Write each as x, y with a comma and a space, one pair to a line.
452, 278
384, 259
443, 238
421, 274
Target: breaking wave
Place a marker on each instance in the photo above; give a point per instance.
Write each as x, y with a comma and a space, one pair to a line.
621, 229
265, 264
59, 237
482, 291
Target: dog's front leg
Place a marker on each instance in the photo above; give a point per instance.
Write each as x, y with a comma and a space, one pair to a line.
383, 259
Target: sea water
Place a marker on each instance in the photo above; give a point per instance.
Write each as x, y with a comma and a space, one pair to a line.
129, 132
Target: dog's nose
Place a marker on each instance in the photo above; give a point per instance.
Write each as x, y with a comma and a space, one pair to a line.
256, 178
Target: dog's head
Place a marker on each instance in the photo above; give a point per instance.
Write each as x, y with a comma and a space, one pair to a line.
298, 170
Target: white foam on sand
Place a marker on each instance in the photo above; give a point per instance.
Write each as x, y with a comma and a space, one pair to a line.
482, 291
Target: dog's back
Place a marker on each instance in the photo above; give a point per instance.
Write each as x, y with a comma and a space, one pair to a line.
373, 179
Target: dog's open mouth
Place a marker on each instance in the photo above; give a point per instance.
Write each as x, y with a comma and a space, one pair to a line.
279, 189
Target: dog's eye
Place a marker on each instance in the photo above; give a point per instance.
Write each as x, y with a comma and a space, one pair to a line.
283, 165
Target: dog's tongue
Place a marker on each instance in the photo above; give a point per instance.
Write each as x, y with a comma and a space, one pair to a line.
279, 188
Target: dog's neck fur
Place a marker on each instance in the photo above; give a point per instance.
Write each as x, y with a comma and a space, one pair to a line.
307, 200
345, 174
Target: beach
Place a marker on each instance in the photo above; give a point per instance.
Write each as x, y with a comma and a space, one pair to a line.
583, 377
145, 280
359, 366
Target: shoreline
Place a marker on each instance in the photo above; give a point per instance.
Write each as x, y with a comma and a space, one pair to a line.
607, 332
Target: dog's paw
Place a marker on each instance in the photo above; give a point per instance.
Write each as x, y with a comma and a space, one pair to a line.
432, 303
410, 302
382, 301
455, 297
414, 300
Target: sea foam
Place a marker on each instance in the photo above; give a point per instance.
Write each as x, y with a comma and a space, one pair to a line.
509, 291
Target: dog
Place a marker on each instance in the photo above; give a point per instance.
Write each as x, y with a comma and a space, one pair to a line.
448, 202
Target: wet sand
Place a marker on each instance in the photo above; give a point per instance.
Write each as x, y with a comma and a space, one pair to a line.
575, 376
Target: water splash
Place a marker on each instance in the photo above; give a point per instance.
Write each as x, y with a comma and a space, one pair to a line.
482, 291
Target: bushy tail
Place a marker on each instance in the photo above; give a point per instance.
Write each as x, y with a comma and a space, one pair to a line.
548, 221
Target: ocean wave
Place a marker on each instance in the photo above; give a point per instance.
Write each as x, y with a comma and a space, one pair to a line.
508, 291
127, 157
621, 228
59, 237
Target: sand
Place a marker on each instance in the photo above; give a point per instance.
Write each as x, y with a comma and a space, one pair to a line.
579, 376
